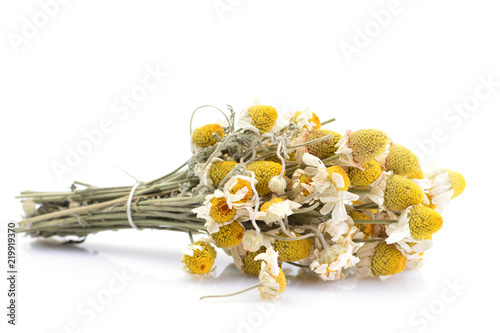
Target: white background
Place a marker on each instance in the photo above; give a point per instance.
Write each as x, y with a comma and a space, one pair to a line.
70, 73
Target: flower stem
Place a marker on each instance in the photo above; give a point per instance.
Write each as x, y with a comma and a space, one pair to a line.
232, 294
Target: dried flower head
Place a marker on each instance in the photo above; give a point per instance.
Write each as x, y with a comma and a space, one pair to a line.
380, 259
292, 250
276, 209
271, 276
220, 210
219, 170
263, 117
325, 148
366, 175
277, 185
264, 171
229, 235
445, 186
361, 146
199, 257
403, 162
250, 265
400, 193
203, 136
333, 173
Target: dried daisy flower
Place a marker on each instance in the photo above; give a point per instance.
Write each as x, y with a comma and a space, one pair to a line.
204, 136
199, 258
219, 170
217, 212
325, 148
264, 171
400, 193
276, 209
258, 118
251, 265
361, 146
338, 229
379, 259
292, 250
303, 119
445, 186
301, 185
416, 223
403, 162
330, 262
272, 279
229, 235
253, 241
365, 176
278, 185
238, 189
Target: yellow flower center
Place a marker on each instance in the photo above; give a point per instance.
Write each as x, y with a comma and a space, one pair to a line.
201, 261
264, 171
372, 170
401, 193
325, 148
220, 211
281, 280
457, 183
219, 170
292, 250
203, 136
367, 144
241, 183
387, 260
403, 162
338, 170
424, 222
263, 117
250, 265
229, 235
266, 205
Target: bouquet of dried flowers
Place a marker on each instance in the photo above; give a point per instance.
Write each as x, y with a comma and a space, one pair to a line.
275, 190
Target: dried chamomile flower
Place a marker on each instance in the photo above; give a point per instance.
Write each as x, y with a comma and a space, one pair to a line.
445, 186
239, 189
403, 162
258, 118
229, 235
203, 136
379, 259
361, 146
365, 176
252, 241
303, 119
325, 148
264, 171
272, 278
292, 250
219, 170
220, 210
400, 193
276, 209
416, 223
331, 261
250, 265
199, 257
333, 174
301, 184
278, 184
